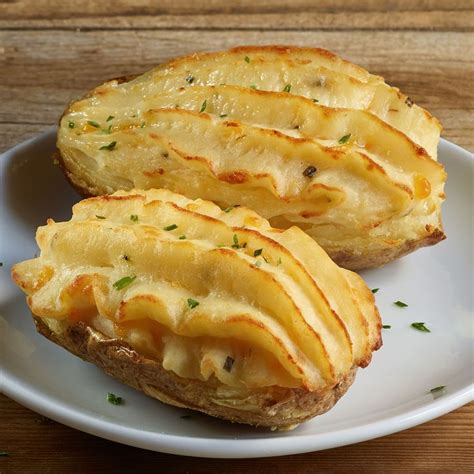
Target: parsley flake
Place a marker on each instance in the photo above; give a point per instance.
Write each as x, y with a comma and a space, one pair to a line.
400, 304
287, 88
134, 218
203, 106
315, 100
182, 237
113, 399
109, 147
124, 282
93, 123
344, 139
257, 252
375, 290
254, 87
247, 59
109, 118
229, 362
108, 130
170, 227
192, 303
420, 327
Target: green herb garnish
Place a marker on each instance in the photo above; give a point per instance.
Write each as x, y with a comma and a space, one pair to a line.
257, 252
420, 327
235, 239
109, 147
203, 106
126, 258
189, 79
344, 139
279, 262
124, 282
71, 124
375, 290
192, 303
142, 125
100, 217
108, 130
254, 87
228, 209
247, 59
134, 218
229, 362
93, 123
386, 326
223, 115
109, 118
170, 227
182, 237
400, 304
113, 399
438, 389
287, 88
315, 100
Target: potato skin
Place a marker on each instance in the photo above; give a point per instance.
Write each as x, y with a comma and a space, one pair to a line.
274, 407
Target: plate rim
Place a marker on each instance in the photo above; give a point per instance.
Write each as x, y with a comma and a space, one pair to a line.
22, 392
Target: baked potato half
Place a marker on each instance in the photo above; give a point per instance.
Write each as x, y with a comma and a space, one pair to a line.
204, 308
297, 134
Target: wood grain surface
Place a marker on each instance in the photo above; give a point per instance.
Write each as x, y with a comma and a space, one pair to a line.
53, 51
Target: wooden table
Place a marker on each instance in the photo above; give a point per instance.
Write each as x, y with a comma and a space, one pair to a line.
53, 51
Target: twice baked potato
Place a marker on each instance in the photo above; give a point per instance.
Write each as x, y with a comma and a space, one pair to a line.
204, 308
297, 134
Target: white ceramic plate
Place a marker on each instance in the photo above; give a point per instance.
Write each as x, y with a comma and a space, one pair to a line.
392, 394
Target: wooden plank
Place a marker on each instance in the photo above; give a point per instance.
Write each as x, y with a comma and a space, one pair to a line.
37, 444
240, 14
41, 72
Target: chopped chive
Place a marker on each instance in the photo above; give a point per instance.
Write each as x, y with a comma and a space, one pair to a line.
375, 290
100, 217
257, 252
113, 399
192, 303
228, 209
170, 227
109, 118
223, 115
142, 125
247, 59
420, 327
203, 106
108, 130
109, 147
124, 282
438, 389
400, 304
315, 100
287, 88
71, 124
229, 362
386, 326
235, 239
134, 218
93, 123
344, 139
182, 237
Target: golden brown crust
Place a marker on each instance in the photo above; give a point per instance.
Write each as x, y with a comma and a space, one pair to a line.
274, 407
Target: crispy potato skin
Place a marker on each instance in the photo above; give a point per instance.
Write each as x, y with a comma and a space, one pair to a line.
274, 407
